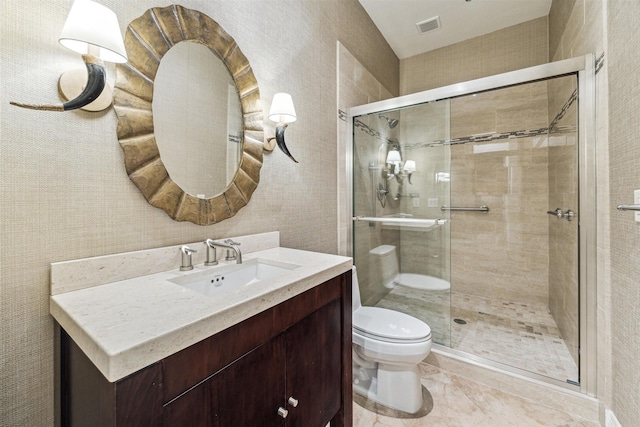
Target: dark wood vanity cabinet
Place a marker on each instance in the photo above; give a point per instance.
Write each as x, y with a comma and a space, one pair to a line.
289, 366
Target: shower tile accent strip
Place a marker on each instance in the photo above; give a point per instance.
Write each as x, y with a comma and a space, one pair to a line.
599, 62
490, 137
493, 136
563, 111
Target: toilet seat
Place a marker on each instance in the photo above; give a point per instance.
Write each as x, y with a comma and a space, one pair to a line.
390, 326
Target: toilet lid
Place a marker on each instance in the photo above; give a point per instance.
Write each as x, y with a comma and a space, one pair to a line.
389, 325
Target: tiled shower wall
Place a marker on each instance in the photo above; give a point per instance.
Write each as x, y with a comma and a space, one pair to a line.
483, 175
425, 251
502, 253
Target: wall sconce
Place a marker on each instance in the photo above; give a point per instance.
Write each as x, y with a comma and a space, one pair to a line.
393, 157
409, 168
92, 30
395, 168
283, 113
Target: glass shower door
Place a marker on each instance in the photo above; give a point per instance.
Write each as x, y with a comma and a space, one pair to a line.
515, 267
401, 234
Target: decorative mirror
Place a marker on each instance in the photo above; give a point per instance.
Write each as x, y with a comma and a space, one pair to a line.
198, 162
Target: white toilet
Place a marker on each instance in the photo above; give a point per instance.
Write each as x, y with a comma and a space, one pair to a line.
387, 347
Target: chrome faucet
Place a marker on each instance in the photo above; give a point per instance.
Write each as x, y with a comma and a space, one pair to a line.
186, 258
228, 244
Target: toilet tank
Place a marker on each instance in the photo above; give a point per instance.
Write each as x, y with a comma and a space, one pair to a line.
385, 261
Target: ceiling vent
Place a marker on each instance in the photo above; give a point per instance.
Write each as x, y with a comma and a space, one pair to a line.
428, 25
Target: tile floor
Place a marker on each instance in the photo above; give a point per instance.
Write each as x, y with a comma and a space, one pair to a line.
519, 335
455, 401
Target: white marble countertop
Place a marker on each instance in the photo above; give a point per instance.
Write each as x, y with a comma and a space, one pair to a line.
127, 325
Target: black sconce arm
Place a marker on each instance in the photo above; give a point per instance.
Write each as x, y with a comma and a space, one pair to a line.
96, 81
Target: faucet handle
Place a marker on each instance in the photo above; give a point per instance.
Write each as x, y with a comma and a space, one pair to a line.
211, 253
231, 255
186, 258
187, 250
234, 253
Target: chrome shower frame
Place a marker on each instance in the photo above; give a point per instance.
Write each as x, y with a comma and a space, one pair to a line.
584, 68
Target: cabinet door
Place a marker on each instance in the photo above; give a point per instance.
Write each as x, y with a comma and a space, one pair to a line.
248, 392
314, 367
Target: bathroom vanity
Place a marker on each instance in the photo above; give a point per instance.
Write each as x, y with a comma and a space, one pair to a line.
276, 353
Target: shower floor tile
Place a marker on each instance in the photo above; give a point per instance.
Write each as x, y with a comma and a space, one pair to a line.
520, 335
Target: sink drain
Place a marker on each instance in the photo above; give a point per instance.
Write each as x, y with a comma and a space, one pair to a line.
460, 321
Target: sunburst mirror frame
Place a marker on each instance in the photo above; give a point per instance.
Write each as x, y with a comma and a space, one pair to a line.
147, 39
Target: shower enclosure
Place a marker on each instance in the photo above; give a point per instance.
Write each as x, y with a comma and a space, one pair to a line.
485, 190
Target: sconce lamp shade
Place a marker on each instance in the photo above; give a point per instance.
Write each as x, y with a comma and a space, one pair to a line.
92, 24
282, 110
93, 31
393, 156
409, 166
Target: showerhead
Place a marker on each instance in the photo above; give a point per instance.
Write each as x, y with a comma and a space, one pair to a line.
391, 122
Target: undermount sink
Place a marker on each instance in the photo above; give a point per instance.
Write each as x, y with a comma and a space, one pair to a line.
222, 279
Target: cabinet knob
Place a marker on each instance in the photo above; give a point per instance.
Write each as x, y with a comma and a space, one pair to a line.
293, 402
283, 412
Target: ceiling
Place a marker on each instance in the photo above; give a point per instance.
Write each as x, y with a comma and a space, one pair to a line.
459, 19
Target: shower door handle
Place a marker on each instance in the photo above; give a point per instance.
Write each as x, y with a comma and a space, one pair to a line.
557, 212
568, 215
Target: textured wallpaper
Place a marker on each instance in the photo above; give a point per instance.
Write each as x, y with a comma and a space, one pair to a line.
624, 137
64, 193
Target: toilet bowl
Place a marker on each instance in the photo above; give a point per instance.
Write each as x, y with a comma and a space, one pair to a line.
387, 347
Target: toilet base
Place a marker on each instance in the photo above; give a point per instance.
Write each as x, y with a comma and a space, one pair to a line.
397, 387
